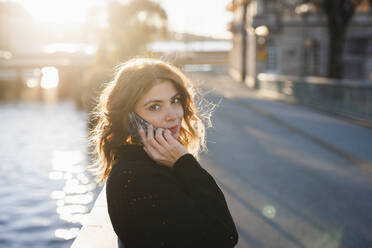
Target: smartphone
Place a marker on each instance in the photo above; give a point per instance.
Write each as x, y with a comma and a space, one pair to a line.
135, 122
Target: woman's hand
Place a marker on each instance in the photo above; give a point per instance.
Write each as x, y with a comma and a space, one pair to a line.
163, 148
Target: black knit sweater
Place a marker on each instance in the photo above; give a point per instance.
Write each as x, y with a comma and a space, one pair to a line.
151, 205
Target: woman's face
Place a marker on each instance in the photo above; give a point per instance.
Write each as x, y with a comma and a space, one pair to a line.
161, 106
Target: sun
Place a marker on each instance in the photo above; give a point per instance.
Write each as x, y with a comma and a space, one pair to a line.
60, 12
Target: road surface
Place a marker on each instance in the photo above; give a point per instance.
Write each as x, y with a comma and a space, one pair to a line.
292, 176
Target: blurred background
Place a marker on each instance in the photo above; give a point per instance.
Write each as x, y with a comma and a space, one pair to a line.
56, 56
66, 45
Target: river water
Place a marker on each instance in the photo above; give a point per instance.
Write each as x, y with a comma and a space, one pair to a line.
45, 188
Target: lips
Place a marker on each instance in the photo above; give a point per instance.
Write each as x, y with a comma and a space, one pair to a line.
174, 129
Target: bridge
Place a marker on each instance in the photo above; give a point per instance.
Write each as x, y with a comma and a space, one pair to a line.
16, 70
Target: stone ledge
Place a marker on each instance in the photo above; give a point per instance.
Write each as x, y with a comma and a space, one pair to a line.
97, 230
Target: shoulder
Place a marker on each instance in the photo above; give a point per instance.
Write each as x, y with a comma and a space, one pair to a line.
129, 158
124, 170
134, 173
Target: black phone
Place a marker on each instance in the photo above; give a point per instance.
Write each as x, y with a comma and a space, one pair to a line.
135, 122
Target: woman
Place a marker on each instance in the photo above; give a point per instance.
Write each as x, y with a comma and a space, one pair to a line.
158, 195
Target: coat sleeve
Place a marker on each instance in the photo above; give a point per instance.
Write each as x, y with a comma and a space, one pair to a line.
184, 208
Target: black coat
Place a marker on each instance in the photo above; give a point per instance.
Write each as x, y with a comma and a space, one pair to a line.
151, 205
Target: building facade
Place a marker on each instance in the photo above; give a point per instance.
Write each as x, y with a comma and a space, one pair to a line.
270, 37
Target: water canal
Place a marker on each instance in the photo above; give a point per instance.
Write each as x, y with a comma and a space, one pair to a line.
45, 188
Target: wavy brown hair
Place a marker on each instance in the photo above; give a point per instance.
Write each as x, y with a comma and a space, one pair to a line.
133, 79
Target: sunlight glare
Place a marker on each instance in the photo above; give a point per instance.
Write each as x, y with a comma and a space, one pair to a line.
142, 15
73, 187
83, 178
79, 199
60, 203
72, 209
58, 194
262, 30
73, 218
67, 161
183, 16
50, 78
55, 175
67, 176
5, 54
32, 83
67, 233
67, 12
70, 48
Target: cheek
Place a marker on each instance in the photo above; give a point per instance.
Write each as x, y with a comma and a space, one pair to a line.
180, 112
156, 120
153, 119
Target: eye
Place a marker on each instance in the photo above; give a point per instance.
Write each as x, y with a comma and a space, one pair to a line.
154, 107
176, 99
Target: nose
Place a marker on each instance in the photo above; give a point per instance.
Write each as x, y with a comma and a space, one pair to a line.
171, 114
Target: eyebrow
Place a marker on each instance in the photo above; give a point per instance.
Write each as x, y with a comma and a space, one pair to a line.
159, 101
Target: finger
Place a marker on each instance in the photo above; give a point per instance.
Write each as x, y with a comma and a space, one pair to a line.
150, 151
169, 137
151, 139
142, 134
160, 138
150, 132
147, 140
149, 144
160, 144
158, 132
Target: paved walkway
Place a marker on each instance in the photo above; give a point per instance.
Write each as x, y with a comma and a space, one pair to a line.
292, 176
317, 126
